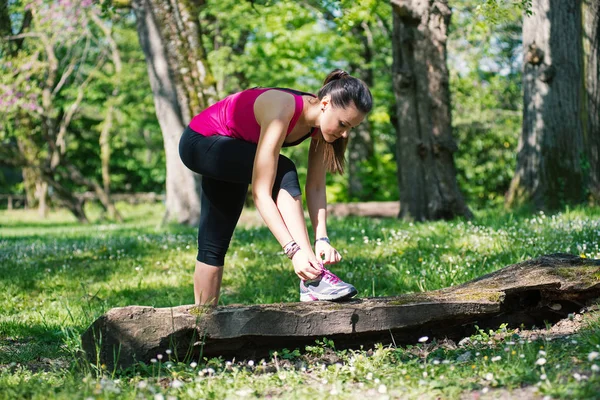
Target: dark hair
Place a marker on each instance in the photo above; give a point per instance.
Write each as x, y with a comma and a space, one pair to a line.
344, 90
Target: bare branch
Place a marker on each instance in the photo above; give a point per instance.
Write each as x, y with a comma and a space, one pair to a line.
66, 120
22, 36
64, 77
116, 57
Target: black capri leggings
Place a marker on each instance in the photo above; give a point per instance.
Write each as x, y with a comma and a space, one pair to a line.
225, 164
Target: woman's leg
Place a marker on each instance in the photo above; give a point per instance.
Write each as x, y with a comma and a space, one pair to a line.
207, 283
226, 166
221, 206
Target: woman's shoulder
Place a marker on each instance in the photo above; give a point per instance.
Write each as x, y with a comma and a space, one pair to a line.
275, 103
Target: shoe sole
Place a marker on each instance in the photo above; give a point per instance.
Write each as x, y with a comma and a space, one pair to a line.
307, 297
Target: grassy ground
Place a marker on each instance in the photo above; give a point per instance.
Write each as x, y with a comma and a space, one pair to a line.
58, 276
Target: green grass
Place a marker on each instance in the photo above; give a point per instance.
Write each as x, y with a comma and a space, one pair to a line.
57, 276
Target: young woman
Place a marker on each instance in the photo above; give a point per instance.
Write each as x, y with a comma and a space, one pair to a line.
237, 141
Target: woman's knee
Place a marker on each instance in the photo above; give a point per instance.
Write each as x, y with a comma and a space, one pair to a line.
286, 178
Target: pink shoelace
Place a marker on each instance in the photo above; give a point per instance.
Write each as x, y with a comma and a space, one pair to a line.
330, 276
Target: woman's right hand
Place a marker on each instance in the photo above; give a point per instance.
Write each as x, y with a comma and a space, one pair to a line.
306, 267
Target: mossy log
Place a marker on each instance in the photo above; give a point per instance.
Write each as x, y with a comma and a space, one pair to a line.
533, 292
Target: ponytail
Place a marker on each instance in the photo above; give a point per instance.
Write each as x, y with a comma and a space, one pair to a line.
343, 90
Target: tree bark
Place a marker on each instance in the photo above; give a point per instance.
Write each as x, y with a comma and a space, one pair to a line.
591, 48
425, 146
5, 22
65, 196
182, 86
41, 190
104, 142
36, 191
557, 154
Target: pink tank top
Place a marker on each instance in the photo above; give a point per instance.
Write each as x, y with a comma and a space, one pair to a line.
234, 116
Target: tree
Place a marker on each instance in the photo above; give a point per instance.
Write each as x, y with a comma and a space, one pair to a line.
169, 33
45, 77
557, 163
591, 48
425, 146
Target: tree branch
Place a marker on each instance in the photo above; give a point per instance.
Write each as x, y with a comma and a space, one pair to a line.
61, 147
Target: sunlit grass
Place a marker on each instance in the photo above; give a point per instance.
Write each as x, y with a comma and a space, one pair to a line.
58, 276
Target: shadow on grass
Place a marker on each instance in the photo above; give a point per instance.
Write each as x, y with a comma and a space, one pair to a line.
29, 261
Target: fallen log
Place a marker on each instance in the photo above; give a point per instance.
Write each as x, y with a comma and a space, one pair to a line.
381, 209
533, 292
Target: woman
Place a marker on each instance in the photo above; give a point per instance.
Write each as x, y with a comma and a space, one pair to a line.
237, 141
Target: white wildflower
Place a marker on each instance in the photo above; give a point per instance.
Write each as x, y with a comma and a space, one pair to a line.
176, 384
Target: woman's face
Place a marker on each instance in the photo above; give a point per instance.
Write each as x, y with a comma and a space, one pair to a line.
336, 122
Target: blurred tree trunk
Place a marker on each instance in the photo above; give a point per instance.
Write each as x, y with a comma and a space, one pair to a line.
425, 146
591, 48
182, 86
557, 160
36, 191
360, 147
5, 22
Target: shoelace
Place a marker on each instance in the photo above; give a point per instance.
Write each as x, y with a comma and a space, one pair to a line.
330, 276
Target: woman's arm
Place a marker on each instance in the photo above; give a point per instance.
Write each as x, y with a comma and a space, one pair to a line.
316, 197
273, 111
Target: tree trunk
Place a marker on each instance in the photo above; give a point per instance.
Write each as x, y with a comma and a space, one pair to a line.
425, 146
182, 87
65, 196
36, 191
553, 164
591, 48
104, 142
360, 147
30, 185
41, 190
531, 293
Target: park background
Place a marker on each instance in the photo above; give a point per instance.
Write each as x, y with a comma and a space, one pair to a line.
485, 130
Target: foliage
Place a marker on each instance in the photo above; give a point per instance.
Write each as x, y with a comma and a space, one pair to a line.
291, 44
485, 84
296, 44
75, 53
58, 276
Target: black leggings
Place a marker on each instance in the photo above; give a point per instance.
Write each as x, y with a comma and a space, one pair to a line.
225, 164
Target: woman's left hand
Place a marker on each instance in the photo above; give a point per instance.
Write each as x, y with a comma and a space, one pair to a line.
326, 252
